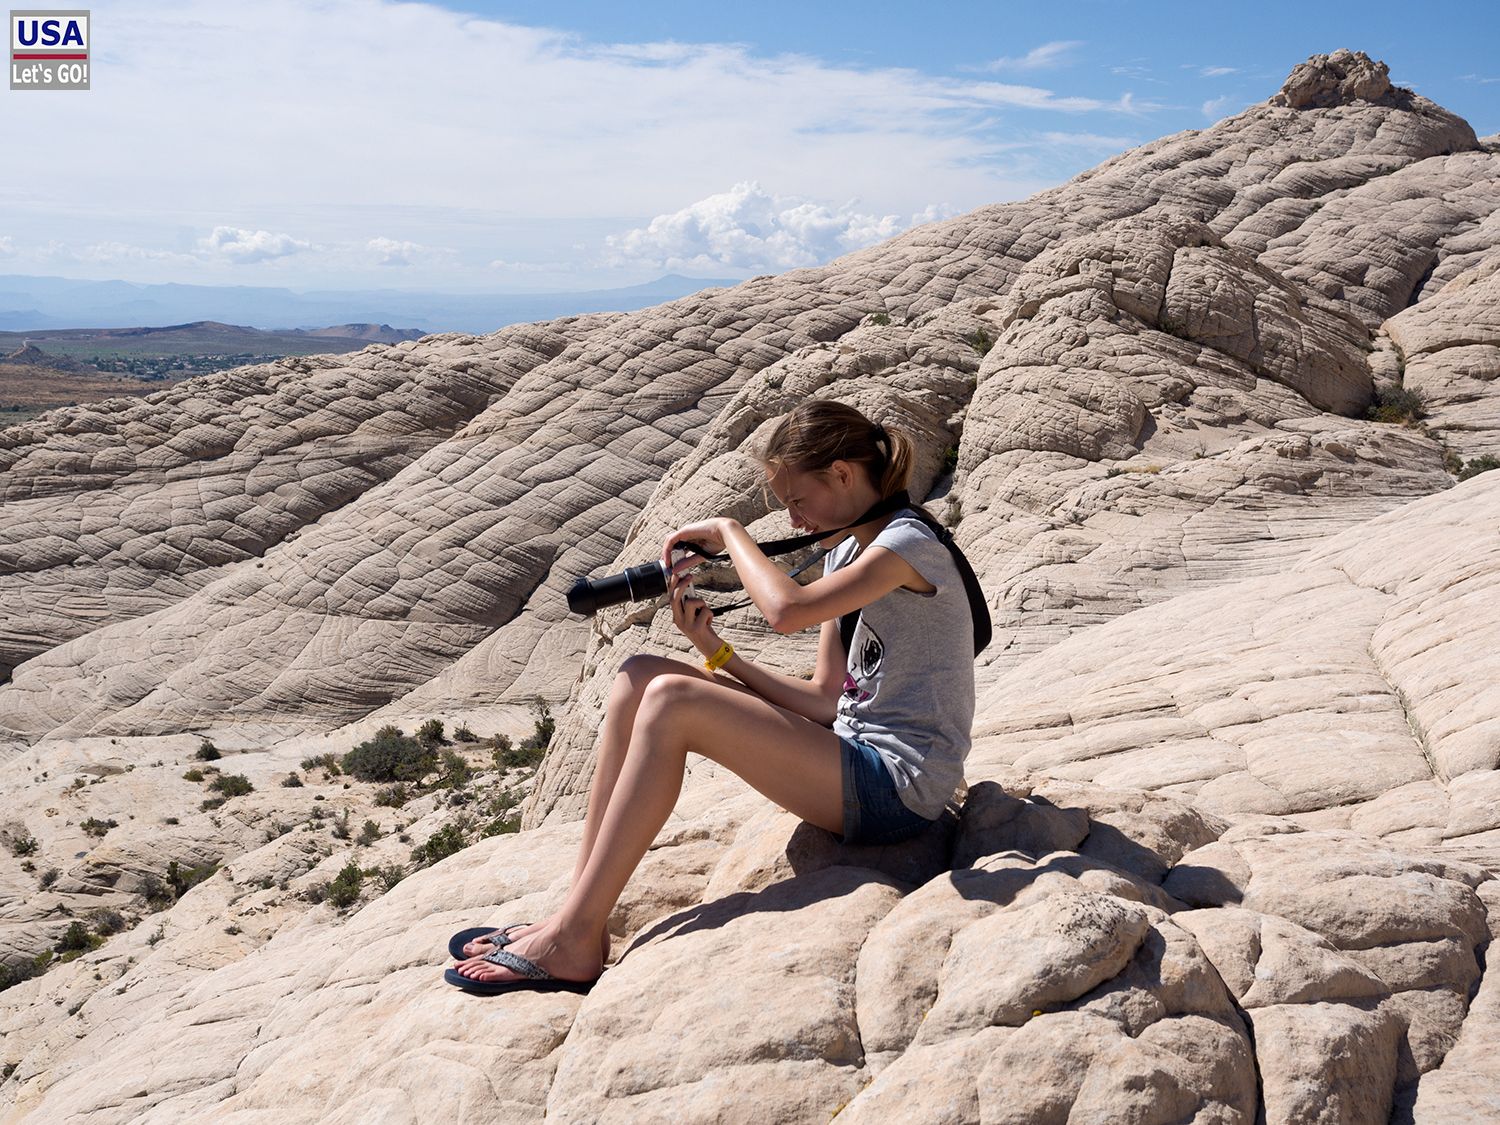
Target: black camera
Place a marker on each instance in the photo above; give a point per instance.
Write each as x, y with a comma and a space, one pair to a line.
588, 596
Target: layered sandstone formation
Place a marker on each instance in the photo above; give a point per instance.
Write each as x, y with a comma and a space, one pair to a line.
1229, 844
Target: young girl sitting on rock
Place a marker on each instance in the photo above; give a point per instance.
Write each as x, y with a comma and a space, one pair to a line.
871, 748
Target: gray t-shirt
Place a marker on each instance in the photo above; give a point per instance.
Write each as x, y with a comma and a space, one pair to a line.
909, 683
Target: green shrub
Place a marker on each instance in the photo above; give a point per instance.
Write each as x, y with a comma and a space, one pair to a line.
184, 879
1472, 468
464, 734
391, 756
392, 796
208, 752
430, 733
369, 832
341, 826
980, 341
502, 825
456, 772
96, 827
880, 318
1397, 404
107, 921
193, 775
48, 877
211, 803
542, 730
232, 785
446, 841
78, 940
344, 890
11, 975
950, 459
326, 762
22, 844
293, 781
389, 875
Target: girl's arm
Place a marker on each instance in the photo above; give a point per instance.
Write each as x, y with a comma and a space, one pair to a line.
790, 607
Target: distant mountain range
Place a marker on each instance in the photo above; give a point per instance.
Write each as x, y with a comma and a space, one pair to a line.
32, 303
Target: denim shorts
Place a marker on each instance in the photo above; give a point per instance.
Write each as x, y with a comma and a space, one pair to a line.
873, 810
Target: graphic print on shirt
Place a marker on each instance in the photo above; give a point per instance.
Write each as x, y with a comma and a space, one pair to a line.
861, 684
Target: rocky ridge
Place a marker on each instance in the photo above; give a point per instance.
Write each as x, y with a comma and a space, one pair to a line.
1229, 846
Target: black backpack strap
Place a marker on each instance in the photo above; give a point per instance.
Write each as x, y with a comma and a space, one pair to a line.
847, 625
983, 628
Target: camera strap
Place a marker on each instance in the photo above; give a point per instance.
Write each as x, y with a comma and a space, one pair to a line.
978, 609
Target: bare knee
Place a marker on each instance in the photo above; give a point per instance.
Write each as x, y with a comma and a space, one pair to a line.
642, 669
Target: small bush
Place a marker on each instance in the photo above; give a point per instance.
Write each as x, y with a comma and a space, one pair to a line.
880, 318
502, 825
293, 781
1397, 404
369, 832
430, 733
456, 772
77, 940
315, 892
446, 841
11, 975
193, 775
48, 877
391, 756
1472, 468
184, 879
96, 827
233, 785
211, 803
107, 921
389, 875
392, 796
950, 459
341, 826
980, 341
170, 820
542, 730
464, 734
22, 844
344, 890
326, 762
208, 752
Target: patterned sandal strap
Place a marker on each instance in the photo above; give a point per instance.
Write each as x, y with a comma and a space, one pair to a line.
519, 964
501, 937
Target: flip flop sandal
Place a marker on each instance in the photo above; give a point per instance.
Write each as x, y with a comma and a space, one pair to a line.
537, 979
498, 935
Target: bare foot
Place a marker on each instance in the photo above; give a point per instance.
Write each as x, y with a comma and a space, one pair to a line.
548, 946
482, 945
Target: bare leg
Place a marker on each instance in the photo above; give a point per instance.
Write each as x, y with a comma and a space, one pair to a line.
625, 695
789, 758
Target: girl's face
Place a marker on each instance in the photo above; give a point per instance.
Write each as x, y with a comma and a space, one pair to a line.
816, 501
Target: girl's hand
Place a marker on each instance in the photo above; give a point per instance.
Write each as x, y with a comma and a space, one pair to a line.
691, 614
708, 534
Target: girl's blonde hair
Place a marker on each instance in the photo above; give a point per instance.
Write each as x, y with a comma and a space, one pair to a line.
814, 435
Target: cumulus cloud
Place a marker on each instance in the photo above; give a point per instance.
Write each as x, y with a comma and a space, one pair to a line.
747, 228
390, 252
1038, 58
236, 245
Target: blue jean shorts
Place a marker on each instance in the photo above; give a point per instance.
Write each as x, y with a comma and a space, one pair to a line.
873, 810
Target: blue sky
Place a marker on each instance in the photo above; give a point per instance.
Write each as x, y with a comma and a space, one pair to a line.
521, 146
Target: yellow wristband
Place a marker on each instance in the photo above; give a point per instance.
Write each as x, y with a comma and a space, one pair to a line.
720, 658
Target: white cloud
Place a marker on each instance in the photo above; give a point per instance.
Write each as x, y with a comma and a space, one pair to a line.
513, 143
236, 245
1038, 58
390, 252
1214, 108
116, 253
750, 229
1217, 71
7, 246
